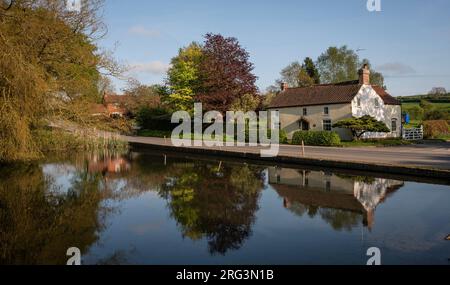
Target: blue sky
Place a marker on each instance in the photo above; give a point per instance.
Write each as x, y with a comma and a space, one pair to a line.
409, 40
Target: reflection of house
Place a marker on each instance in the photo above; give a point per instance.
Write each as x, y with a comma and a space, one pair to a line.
108, 165
318, 107
326, 190
113, 106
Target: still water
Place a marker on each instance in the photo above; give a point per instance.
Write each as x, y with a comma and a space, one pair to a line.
145, 208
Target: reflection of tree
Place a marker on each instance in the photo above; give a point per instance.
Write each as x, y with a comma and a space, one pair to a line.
38, 225
217, 203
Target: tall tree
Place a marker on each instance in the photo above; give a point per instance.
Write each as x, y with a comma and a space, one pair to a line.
310, 67
226, 73
48, 60
290, 74
183, 78
338, 64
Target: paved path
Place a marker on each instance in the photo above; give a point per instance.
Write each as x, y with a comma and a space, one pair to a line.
429, 156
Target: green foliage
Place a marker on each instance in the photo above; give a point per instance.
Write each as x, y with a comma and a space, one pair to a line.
435, 129
304, 80
58, 141
342, 64
360, 126
154, 134
49, 66
415, 112
338, 64
436, 114
425, 105
154, 119
314, 138
297, 75
246, 103
377, 142
184, 78
310, 67
283, 137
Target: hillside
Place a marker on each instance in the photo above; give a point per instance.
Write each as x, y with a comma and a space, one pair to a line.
429, 98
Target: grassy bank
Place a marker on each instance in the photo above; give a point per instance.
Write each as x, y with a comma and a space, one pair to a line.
48, 140
377, 143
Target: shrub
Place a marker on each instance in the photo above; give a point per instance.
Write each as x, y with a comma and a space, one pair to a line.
154, 119
434, 129
316, 138
283, 137
415, 112
436, 114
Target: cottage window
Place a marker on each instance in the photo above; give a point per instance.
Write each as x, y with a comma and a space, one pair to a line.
327, 125
326, 111
377, 103
305, 112
359, 102
394, 125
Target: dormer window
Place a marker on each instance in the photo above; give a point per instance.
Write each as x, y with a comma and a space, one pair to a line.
305, 112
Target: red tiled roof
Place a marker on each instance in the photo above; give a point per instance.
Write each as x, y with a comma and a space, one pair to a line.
387, 98
115, 99
324, 94
97, 109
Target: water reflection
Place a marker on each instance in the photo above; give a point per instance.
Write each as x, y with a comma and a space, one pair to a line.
72, 201
342, 201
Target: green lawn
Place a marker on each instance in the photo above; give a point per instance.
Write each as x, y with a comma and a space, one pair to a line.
377, 143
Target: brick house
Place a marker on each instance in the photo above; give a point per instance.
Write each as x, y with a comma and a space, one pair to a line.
318, 107
113, 105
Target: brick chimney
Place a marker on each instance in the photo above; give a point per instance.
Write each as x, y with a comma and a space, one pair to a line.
284, 86
364, 75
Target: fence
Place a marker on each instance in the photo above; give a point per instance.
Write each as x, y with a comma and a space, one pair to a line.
413, 134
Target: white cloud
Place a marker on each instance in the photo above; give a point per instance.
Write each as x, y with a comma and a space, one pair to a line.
396, 68
154, 67
143, 31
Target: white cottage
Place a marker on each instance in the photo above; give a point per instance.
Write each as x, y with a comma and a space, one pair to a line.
318, 107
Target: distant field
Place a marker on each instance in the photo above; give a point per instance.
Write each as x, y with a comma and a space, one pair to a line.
443, 106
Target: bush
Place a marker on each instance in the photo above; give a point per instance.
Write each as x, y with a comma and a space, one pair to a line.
316, 138
154, 119
283, 137
436, 114
434, 129
415, 112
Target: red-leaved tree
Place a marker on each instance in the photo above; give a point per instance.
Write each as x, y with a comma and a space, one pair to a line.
226, 73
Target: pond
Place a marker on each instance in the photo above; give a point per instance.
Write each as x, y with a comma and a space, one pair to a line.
147, 208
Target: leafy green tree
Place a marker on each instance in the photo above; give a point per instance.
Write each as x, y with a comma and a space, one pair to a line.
342, 64
304, 80
290, 74
246, 103
360, 126
311, 69
184, 78
338, 64
49, 66
297, 75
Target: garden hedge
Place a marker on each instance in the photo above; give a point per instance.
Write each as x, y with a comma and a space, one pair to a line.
316, 138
